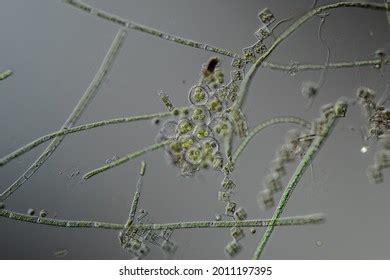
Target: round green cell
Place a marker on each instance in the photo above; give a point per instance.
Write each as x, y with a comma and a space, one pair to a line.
194, 155
185, 126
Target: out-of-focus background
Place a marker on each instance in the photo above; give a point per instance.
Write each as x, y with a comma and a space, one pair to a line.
55, 51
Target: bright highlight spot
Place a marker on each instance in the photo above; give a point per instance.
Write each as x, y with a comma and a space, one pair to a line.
364, 149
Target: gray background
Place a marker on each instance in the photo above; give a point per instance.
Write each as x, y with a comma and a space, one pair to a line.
55, 50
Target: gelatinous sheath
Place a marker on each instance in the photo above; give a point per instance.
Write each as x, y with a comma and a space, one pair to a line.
56, 222
137, 194
288, 221
331, 65
160, 34
87, 97
62, 132
296, 177
245, 84
145, 29
261, 126
126, 158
